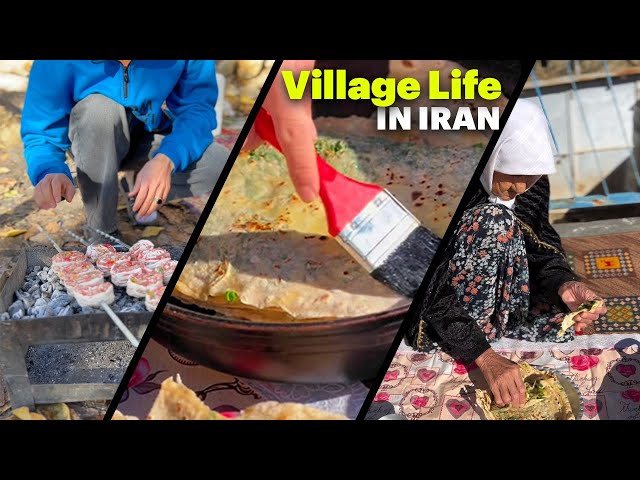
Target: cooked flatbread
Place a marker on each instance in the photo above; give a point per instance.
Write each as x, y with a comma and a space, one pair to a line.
117, 415
546, 399
177, 402
286, 411
265, 255
568, 322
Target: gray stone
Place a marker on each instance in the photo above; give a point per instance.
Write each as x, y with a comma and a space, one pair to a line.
86, 310
35, 288
68, 310
18, 315
43, 276
46, 269
5, 316
37, 268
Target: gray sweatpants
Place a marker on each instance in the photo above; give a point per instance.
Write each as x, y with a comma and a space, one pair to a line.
106, 138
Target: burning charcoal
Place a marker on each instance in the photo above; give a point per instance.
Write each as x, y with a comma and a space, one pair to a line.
25, 298
5, 316
75, 305
35, 295
58, 287
18, 315
138, 308
34, 289
61, 301
46, 288
56, 293
16, 307
121, 302
30, 312
68, 310
87, 310
45, 269
41, 302
43, 276
37, 268
42, 311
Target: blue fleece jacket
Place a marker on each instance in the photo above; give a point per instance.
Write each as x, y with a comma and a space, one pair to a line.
188, 87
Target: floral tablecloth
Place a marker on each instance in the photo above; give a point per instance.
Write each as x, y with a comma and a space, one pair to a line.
606, 369
223, 392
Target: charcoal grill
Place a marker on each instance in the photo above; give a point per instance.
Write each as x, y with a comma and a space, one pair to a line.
16, 336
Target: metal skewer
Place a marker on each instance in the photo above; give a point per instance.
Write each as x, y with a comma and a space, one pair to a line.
77, 237
116, 320
110, 237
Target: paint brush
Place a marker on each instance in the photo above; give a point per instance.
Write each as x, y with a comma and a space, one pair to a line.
370, 223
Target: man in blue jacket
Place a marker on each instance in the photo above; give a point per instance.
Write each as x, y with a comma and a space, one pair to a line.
110, 114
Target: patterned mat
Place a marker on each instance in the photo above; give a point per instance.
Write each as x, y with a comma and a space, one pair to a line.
223, 392
608, 264
424, 386
612, 262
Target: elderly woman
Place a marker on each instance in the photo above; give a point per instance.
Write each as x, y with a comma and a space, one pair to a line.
504, 273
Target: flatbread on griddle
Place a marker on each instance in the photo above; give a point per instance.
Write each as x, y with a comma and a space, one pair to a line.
273, 251
568, 322
546, 399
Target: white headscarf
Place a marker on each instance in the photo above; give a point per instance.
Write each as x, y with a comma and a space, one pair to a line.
524, 148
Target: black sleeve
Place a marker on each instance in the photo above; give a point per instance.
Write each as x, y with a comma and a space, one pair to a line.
443, 319
548, 267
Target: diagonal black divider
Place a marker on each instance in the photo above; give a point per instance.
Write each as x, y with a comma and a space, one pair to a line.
527, 66
193, 239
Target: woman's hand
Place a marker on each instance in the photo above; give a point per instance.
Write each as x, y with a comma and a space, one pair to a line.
295, 130
504, 379
574, 294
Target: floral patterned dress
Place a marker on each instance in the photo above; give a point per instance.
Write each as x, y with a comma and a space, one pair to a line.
490, 275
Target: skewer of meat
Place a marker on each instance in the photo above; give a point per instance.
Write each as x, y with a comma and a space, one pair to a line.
65, 258
152, 297
167, 270
139, 283
154, 258
106, 262
121, 272
139, 247
96, 250
89, 278
100, 292
73, 269
94, 295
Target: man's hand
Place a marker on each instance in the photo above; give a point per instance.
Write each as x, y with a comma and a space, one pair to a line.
52, 189
573, 294
153, 182
503, 377
295, 130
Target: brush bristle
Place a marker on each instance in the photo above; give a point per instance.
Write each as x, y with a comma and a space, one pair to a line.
405, 268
